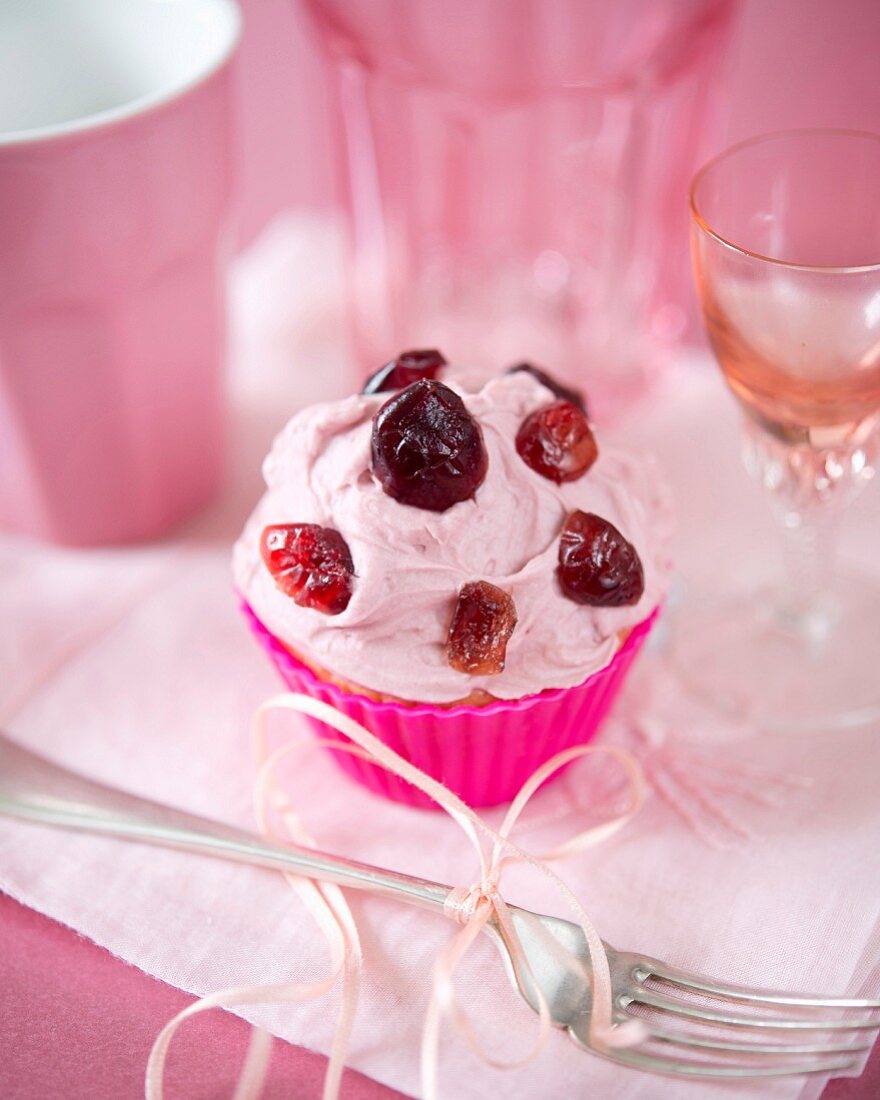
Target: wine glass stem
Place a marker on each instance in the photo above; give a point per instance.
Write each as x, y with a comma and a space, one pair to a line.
803, 602
796, 477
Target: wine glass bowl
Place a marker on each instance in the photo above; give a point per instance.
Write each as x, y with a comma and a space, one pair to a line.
786, 246
785, 234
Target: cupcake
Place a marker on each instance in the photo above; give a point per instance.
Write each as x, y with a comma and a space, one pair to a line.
462, 567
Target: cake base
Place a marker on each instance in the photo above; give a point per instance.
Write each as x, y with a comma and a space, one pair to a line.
483, 754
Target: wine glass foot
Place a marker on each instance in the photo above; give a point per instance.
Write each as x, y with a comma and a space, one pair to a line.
818, 673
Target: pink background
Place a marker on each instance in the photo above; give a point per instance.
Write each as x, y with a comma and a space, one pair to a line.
794, 63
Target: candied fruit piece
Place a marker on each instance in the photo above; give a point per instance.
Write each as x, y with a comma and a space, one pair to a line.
311, 564
597, 565
556, 442
408, 367
426, 447
549, 382
481, 626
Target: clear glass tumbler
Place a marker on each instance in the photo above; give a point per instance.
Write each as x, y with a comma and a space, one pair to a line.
514, 172
786, 251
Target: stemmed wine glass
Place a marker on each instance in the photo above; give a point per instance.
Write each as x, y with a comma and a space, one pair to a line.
786, 251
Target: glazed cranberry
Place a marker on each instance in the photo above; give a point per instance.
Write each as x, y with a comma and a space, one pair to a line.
482, 623
408, 367
311, 564
427, 449
597, 565
556, 442
562, 392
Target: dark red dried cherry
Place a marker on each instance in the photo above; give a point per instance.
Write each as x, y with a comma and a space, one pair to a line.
311, 564
408, 367
427, 449
556, 442
481, 626
597, 565
550, 383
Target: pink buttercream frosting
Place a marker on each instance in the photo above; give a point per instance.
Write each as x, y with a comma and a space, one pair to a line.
411, 563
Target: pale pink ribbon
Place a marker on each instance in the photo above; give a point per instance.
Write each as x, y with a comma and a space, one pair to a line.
472, 908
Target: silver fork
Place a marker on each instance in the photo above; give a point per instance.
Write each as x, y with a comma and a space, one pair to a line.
691, 1029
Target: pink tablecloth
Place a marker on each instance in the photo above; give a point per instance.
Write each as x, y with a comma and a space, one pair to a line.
77, 1024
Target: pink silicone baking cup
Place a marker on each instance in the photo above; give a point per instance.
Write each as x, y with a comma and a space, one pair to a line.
482, 754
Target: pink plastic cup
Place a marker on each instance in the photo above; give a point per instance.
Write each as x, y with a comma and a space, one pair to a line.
482, 754
115, 189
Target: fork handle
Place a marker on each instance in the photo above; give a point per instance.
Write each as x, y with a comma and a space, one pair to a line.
34, 789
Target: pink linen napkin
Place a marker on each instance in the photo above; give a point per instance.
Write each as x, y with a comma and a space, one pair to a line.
135, 667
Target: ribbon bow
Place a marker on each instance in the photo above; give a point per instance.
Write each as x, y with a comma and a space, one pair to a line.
472, 908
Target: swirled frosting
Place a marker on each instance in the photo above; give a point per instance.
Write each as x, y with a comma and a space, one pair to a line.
410, 563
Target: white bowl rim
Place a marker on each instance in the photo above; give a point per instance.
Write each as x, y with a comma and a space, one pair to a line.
141, 104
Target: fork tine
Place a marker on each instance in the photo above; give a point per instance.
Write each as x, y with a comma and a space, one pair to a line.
655, 1062
697, 983
707, 1015
755, 1048
639, 1060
